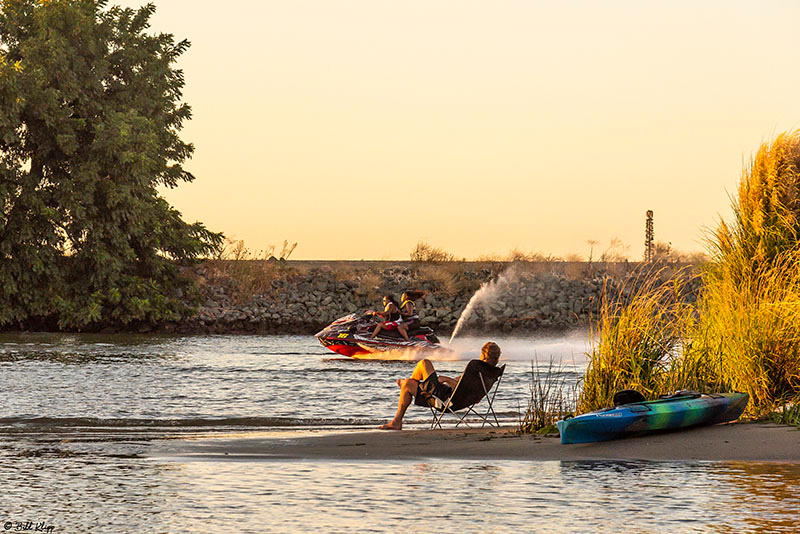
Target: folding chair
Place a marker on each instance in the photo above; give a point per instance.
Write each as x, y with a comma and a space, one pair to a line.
475, 383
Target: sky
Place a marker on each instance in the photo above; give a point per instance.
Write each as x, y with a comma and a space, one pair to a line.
359, 128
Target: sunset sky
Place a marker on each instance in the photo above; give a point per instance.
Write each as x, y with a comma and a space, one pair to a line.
358, 128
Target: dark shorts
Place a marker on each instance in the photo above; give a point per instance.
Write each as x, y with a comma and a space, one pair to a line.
431, 386
411, 323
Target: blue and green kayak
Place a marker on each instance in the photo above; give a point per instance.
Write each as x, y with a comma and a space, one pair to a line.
678, 411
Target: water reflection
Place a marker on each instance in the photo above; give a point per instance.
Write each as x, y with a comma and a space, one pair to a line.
88, 492
80, 349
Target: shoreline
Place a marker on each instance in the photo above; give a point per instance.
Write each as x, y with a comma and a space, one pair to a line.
746, 442
303, 297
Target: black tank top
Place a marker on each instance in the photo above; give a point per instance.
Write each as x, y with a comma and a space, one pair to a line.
394, 316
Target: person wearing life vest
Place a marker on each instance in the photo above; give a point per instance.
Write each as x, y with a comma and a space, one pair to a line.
408, 315
390, 314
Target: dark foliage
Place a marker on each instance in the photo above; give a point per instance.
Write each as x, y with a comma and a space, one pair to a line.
90, 113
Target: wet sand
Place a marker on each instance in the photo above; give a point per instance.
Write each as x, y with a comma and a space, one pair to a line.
755, 442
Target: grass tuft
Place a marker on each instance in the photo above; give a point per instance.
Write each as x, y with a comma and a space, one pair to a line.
789, 414
551, 399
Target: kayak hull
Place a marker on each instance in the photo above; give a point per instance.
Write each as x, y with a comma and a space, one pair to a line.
652, 416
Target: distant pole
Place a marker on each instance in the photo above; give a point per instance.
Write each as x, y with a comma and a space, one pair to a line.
648, 237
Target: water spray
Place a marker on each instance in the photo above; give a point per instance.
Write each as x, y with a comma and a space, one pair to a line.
486, 294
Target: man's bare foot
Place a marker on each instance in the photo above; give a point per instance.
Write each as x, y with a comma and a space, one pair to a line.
391, 426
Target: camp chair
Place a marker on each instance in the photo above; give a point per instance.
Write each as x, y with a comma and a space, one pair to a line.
475, 383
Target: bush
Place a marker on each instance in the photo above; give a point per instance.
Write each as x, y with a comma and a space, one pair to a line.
424, 252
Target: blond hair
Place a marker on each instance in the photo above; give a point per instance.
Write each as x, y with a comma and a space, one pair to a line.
490, 352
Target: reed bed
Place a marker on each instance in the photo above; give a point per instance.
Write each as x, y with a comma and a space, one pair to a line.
642, 328
748, 333
743, 334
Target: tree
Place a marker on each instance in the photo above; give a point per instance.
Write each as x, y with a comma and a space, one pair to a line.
90, 114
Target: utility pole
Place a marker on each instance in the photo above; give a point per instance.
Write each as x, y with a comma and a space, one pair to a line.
648, 237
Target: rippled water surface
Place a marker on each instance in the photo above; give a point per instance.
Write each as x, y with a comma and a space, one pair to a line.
78, 414
250, 381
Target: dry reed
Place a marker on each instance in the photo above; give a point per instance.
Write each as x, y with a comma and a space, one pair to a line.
744, 332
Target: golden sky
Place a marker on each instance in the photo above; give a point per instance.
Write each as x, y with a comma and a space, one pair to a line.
358, 128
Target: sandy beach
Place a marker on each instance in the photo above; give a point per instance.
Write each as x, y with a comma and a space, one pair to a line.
756, 442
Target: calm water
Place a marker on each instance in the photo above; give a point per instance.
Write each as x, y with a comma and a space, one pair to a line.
78, 415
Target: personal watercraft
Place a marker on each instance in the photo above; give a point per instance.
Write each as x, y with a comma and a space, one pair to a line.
350, 336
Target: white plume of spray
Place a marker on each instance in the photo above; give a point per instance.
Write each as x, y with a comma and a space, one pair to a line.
487, 294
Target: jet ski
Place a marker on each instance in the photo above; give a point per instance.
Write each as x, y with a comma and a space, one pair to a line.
350, 336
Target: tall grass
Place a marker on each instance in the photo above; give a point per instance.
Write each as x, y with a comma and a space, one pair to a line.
551, 398
767, 212
642, 326
744, 332
749, 327
748, 333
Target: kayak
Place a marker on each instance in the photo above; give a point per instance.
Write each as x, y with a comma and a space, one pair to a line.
681, 410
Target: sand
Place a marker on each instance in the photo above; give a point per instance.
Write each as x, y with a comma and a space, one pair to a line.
756, 442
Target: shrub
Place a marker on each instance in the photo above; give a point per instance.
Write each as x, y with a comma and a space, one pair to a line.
424, 252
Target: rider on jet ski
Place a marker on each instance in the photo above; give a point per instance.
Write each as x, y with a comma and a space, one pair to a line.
408, 312
391, 317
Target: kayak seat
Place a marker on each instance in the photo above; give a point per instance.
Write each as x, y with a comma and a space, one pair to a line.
627, 396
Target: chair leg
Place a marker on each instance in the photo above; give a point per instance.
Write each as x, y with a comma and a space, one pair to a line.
437, 418
485, 418
438, 415
463, 418
490, 400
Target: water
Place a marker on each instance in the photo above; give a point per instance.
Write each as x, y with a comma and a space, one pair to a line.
78, 415
216, 382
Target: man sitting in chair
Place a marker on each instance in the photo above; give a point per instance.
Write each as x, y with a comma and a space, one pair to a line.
425, 380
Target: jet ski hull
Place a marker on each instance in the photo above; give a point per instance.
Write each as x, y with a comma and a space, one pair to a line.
351, 336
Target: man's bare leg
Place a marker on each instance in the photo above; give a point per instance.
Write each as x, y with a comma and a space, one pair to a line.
423, 370
408, 388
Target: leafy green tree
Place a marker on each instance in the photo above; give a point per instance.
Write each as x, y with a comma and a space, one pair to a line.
90, 114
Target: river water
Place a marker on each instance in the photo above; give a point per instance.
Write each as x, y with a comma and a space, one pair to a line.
79, 413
